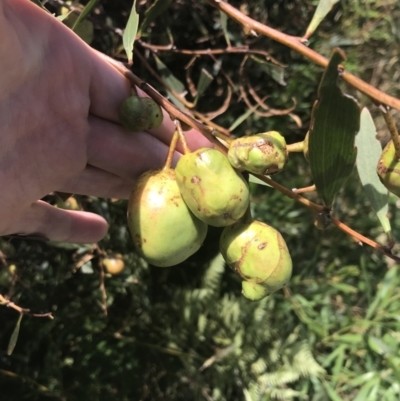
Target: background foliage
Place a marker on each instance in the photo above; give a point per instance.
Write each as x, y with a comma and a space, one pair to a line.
186, 333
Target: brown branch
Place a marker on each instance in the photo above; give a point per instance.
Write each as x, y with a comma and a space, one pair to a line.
297, 44
206, 52
99, 253
360, 238
6, 302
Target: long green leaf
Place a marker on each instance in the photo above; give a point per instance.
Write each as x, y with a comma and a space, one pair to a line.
276, 72
156, 9
129, 36
14, 336
323, 8
84, 13
368, 153
224, 25
334, 123
203, 83
171, 81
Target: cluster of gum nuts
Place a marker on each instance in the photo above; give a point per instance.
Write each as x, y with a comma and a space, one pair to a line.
169, 210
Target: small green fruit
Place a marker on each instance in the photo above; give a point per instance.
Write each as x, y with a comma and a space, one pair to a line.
214, 191
389, 169
259, 154
164, 230
259, 254
140, 113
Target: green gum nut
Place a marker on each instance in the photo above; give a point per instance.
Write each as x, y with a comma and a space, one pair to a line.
164, 231
214, 191
264, 153
259, 254
389, 169
140, 113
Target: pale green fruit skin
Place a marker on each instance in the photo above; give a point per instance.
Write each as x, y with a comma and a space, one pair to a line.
389, 169
214, 191
263, 153
259, 254
140, 113
164, 230
254, 291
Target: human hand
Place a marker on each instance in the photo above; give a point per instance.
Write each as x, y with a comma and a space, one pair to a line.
59, 128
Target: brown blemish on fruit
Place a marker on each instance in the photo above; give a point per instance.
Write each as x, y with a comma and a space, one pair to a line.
195, 179
262, 246
266, 148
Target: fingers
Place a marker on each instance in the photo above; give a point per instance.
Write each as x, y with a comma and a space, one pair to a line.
59, 225
96, 182
125, 154
108, 88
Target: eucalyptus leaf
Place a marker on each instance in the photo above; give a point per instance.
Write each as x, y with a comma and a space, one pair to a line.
368, 153
130, 32
241, 119
156, 9
224, 25
335, 122
323, 8
171, 81
276, 72
14, 336
204, 82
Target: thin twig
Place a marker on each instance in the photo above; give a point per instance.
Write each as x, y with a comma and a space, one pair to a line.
99, 253
207, 52
391, 124
6, 302
182, 138
171, 150
297, 44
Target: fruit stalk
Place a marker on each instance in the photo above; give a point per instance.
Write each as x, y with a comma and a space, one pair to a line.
297, 147
171, 151
392, 129
182, 137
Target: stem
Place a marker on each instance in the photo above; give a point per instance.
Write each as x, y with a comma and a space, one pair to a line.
360, 238
4, 301
392, 129
182, 137
296, 44
171, 151
223, 137
247, 218
295, 147
304, 190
